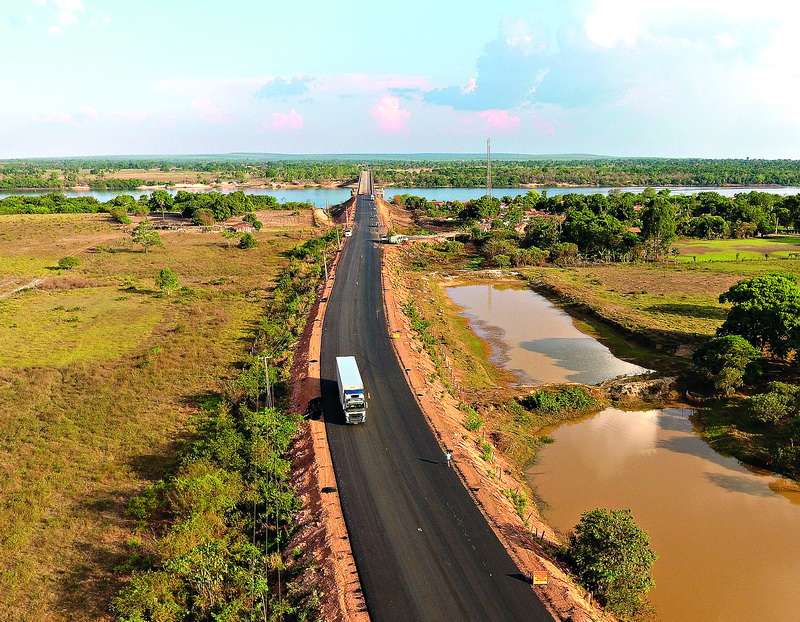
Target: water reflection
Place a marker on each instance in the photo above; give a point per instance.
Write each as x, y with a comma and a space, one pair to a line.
728, 538
535, 339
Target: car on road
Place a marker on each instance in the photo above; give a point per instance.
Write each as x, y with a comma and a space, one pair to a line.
348, 233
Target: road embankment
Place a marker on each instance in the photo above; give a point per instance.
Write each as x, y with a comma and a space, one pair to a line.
528, 539
324, 530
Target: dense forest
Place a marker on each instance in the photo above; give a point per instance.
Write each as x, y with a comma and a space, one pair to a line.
468, 172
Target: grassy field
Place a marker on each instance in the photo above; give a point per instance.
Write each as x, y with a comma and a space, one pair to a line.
670, 304
773, 247
99, 376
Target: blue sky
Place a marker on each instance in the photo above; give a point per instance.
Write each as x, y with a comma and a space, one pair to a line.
709, 78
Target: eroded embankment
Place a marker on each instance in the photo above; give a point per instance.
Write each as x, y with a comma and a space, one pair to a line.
494, 484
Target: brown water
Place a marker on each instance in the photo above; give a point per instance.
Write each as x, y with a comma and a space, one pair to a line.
728, 539
534, 338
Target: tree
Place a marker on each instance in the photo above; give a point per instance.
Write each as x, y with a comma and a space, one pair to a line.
251, 219
247, 240
204, 217
68, 263
145, 235
611, 557
766, 312
120, 215
167, 280
726, 362
658, 226
160, 200
542, 232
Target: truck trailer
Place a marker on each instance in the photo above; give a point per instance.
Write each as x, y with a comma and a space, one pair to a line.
351, 390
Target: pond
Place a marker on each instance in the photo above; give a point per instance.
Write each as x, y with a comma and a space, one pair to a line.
728, 538
535, 339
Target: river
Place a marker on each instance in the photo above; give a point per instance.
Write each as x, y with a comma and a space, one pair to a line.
321, 197
728, 538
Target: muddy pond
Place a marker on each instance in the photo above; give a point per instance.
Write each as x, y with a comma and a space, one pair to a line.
728, 538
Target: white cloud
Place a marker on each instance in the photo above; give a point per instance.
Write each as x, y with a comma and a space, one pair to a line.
65, 13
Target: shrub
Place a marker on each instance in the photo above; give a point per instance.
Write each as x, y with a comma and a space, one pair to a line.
559, 400
250, 218
120, 215
726, 363
777, 406
167, 280
528, 257
247, 240
769, 408
68, 263
472, 419
487, 451
611, 556
518, 499
564, 254
203, 217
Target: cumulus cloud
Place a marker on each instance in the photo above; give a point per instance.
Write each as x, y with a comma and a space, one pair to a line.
287, 121
389, 114
500, 119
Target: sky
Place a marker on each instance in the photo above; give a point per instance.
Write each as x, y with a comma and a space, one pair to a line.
683, 78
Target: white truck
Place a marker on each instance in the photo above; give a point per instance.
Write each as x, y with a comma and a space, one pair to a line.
351, 390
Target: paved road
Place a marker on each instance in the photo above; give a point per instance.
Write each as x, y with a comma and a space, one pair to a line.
423, 550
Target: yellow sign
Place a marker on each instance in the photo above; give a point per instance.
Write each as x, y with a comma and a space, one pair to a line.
540, 577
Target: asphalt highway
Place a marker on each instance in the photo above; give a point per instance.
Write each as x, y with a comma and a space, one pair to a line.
423, 549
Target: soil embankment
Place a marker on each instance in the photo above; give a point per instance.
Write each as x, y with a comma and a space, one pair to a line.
324, 531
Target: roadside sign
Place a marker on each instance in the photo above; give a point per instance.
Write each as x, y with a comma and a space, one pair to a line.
540, 577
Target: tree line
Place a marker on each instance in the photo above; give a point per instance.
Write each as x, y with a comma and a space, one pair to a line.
466, 172
619, 226
216, 205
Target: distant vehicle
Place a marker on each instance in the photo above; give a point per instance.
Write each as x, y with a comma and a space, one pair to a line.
348, 233
351, 390
372, 197
397, 239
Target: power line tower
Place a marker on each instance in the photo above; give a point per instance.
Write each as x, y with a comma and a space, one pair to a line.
489, 167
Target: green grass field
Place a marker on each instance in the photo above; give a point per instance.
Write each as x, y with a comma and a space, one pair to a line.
99, 377
773, 247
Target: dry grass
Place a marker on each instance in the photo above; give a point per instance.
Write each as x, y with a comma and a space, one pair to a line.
97, 385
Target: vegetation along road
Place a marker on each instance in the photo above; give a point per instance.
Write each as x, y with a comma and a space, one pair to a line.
423, 549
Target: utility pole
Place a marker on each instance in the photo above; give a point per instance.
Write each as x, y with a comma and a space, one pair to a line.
489, 167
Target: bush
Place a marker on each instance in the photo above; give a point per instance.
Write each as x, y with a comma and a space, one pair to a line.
251, 219
611, 557
532, 256
726, 363
203, 217
167, 280
472, 419
769, 408
120, 215
68, 263
777, 406
555, 401
247, 240
564, 254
